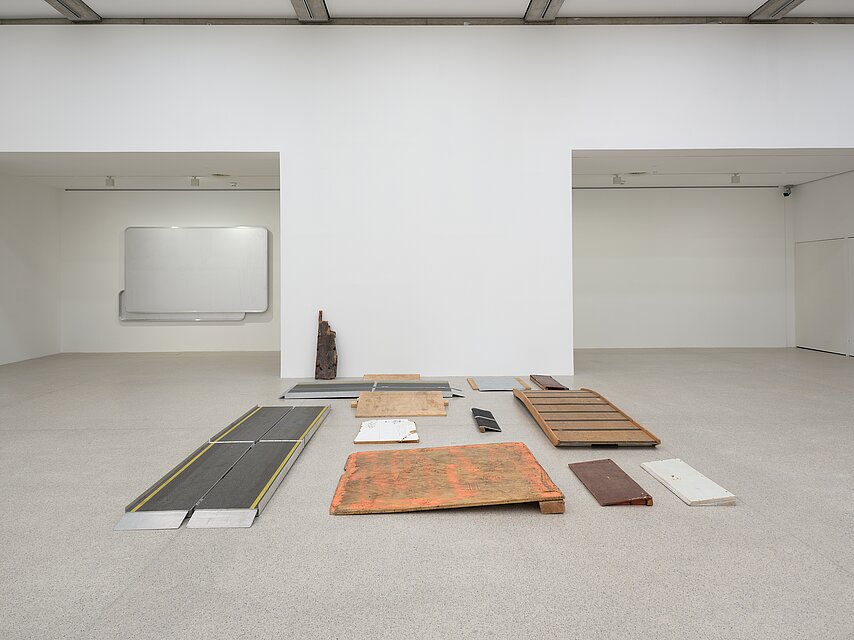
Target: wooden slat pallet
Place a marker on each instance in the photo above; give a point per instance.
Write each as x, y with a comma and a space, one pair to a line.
583, 418
444, 478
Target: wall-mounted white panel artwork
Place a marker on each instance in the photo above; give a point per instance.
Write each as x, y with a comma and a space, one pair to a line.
820, 296
195, 269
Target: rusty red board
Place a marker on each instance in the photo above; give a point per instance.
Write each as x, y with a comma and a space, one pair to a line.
444, 478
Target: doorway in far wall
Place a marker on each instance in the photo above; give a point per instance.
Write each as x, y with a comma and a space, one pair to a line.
101, 195
699, 248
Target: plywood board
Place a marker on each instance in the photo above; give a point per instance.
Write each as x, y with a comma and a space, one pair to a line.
583, 418
444, 478
386, 431
609, 484
391, 376
390, 404
497, 383
692, 487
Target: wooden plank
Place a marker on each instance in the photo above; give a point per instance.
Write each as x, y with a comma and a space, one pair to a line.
605, 436
575, 408
569, 416
609, 484
547, 382
472, 384
692, 487
444, 478
390, 404
524, 384
391, 376
569, 403
575, 425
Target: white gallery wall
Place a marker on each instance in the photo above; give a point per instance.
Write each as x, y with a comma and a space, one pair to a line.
93, 226
29, 270
425, 203
679, 268
823, 213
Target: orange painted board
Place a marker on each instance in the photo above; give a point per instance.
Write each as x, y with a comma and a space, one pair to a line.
395, 481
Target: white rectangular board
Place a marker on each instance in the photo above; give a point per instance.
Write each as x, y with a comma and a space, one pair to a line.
692, 487
196, 269
384, 431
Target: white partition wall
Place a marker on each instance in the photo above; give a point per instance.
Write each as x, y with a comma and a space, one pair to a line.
824, 264
29, 270
821, 273
425, 171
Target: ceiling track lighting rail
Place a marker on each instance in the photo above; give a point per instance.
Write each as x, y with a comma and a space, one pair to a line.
543, 10
311, 11
773, 10
75, 10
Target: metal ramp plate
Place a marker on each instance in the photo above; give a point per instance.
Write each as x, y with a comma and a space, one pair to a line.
252, 425
254, 479
182, 488
222, 518
322, 390
150, 520
299, 424
328, 390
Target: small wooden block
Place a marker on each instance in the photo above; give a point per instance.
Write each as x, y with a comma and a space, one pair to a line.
553, 506
396, 404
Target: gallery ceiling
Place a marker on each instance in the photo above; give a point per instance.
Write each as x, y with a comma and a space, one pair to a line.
112, 10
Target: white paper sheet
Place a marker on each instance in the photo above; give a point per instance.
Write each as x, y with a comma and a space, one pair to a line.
381, 431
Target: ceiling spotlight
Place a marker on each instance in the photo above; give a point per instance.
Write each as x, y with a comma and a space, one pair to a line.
110, 181
194, 181
618, 179
735, 178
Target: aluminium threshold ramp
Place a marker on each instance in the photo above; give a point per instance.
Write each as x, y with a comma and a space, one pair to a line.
241, 495
168, 502
331, 390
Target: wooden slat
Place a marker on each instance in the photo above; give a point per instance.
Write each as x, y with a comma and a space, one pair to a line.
541, 393
472, 384
539, 402
391, 376
581, 425
607, 437
567, 416
573, 408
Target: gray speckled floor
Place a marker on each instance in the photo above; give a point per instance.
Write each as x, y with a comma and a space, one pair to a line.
81, 435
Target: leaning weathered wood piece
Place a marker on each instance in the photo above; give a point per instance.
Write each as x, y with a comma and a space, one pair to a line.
583, 418
400, 404
444, 478
548, 383
326, 365
609, 484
